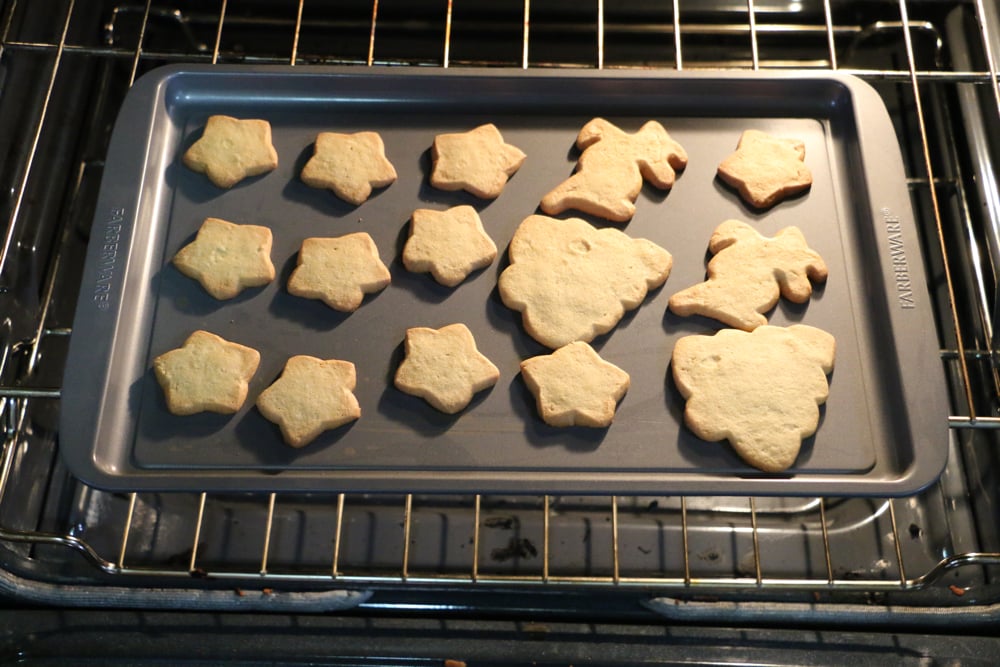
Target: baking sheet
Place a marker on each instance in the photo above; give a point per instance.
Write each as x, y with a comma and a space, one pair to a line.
883, 430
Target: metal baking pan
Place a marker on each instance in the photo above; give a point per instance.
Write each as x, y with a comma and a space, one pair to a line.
883, 430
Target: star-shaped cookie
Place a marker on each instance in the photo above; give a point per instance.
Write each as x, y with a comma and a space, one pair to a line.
449, 244
349, 164
207, 374
574, 386
339, 271
311, 396
477, 161
227, 258
444, 367
766, 169
230, 150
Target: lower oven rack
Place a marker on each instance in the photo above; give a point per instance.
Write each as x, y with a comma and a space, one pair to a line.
767, 559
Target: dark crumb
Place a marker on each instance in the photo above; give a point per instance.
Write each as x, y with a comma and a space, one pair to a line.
644, 550
199, 573
816, 596
516, 548
238, 591
915, 531
502, 522
653, 504
957, 590
710, 555
267, 591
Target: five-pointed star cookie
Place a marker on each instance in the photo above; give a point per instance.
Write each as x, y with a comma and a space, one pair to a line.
443, 367
349, 164
339, 271
311, 396
207, 373
226, 258
766, 169
449, 244
477, 161
574, 386
230, 150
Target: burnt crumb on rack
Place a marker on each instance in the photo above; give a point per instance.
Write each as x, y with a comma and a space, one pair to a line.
916, 531
710, 555
516, 548
502, 522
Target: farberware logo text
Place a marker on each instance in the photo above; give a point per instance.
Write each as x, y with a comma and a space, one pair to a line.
108, 257
900, 268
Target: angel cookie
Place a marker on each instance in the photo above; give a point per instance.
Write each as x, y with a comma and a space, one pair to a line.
574, 386
766, 169
230, 150
311, 396
609, 173
760, 390
443, 367
748, 273
477, 161
572, 281
349, 164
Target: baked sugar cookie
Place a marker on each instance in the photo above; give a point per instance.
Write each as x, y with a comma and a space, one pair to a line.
760, 390
611, 168
230, 150
748, 273
448, 244
574, 386
572, 281
227, 258
311, 396
349, 164
207, 374
477, 161
766, 169
444, 367
339, 271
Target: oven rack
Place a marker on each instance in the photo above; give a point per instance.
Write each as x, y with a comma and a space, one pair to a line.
124, 552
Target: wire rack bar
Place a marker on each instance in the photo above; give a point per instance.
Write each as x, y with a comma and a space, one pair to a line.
334, 568
36, 137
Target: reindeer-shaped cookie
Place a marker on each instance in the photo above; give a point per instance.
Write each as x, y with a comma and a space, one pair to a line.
610, 170
748, 273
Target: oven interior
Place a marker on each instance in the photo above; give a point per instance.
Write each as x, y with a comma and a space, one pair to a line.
64, 70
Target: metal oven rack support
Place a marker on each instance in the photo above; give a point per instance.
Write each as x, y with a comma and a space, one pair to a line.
126, 584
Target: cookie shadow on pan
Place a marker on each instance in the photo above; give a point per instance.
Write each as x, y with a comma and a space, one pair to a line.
189, 297
157, 424
578, 439
758, 214
262, 439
